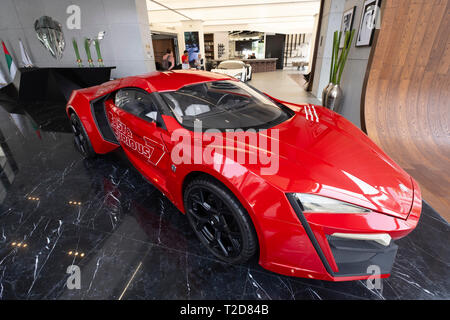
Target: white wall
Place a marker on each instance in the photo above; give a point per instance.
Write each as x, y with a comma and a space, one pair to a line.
127, 43
355, 68
354, 71
221, 38
331, 21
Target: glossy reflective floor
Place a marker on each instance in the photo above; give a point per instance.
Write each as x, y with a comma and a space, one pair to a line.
133, 244
289, 85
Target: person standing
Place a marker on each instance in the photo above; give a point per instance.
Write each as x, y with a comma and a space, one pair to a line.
185, 60
199, 63
168, 62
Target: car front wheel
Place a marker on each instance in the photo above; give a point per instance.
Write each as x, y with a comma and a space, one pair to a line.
220, 221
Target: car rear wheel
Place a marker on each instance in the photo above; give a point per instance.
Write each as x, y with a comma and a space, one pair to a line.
80, 137
220, 221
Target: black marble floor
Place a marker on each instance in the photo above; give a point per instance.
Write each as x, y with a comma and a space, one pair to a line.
133, 244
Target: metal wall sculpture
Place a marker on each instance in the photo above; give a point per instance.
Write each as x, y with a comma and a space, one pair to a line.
50, 33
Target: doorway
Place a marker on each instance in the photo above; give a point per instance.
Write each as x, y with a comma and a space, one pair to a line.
161, 42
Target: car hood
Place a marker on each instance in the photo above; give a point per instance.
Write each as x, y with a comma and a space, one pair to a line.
321, 152
229, 72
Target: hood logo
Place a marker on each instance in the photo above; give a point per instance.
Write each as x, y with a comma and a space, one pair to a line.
311, 114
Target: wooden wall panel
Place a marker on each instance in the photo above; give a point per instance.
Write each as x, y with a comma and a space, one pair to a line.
407, 98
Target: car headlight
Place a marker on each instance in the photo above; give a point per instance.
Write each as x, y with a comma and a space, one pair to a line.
315, 203
238, 76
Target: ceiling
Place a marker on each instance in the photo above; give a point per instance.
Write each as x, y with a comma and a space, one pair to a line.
281, 16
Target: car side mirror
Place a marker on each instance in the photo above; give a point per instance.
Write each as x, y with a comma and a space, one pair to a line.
151, 117
153, 124
156, 123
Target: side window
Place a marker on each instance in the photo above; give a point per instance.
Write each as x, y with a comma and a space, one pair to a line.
138, 103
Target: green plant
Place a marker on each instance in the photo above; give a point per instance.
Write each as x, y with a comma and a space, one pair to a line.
87, 48
99, 54
77, 53
338, 61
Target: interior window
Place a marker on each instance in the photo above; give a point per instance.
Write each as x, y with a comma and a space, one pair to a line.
137, 103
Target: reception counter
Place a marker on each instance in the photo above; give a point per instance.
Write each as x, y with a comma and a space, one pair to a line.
262, 65
56, 84
259, 65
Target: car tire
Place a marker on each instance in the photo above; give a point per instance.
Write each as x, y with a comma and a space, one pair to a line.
231, 220
81, 139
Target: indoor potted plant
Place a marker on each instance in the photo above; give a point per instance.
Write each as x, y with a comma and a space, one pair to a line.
332, 94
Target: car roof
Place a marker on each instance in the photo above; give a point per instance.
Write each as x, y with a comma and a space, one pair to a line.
172, 80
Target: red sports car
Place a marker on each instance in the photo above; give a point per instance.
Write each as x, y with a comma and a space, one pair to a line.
298, 185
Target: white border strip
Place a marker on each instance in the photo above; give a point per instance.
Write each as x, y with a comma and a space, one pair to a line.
381, 238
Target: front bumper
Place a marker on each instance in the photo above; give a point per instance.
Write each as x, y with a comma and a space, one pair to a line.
346, 258
361, 257
326, 257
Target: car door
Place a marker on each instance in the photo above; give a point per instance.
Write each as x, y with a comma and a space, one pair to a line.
136, 121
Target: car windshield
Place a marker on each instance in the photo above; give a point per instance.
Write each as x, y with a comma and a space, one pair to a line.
230, 65
224, 105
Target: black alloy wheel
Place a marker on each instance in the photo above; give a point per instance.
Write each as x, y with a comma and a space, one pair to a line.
220, 221
81, 139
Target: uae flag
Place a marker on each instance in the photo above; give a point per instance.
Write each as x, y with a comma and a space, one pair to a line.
10, 62
3, 81
26, 61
